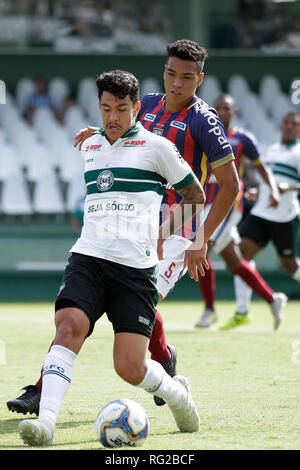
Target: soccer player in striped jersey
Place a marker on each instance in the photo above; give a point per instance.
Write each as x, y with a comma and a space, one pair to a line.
226, 238
196, 130
112, 267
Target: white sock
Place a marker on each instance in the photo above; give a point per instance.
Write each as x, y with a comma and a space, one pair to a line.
159, 383
296, 274
243, 292
57, 374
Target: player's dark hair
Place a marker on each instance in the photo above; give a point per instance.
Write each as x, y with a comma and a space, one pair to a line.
295, 114
185, 49
119, 83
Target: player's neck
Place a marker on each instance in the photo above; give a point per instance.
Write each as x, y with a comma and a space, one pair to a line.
289, 143
172, 106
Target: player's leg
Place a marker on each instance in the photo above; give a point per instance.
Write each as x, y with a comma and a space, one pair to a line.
170, 269
285, 238
243, 292
225, 234
132, 366
256, 233
72, 326
207, 285
29, 401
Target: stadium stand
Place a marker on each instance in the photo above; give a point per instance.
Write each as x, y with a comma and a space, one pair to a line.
41, 158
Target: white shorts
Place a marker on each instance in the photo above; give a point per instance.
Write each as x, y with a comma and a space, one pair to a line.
171, 268
227, 231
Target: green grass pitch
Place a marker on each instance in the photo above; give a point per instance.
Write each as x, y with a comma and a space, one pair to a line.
245, 382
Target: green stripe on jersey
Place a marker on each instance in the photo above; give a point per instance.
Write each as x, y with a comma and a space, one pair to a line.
286, 168
187, 180
285, 173
128, 187
126, 173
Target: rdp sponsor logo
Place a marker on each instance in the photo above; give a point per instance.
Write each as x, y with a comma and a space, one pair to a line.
2, 92
295, 96
93, 147
134, 143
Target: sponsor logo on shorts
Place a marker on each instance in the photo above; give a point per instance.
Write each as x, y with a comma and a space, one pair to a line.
61, 288
105, 180
144, 320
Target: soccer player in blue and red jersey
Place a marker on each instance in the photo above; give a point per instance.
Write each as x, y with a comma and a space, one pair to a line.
226, 238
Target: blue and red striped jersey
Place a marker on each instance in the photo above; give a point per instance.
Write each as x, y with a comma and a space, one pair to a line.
244, 145
196, 131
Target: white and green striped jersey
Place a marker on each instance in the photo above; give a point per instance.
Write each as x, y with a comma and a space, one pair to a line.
125, 184
284, 161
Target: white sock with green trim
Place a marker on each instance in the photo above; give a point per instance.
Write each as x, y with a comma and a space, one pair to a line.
159, 383
57, 374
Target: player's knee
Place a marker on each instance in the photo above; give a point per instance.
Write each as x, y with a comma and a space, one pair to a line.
69, 326
131, 371
289, 265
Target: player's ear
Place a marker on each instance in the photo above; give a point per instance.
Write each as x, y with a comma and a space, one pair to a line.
137, 107
99, 104
200, 78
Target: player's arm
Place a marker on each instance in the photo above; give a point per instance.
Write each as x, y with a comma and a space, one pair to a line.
269, 179
193, 199
285, 187
84, 134
228, 181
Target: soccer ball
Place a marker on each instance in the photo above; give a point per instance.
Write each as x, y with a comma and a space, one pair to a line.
122, 423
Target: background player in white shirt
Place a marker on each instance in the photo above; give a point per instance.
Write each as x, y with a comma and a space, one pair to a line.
279, 225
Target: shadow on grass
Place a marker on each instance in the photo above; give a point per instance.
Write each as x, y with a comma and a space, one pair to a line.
8, 426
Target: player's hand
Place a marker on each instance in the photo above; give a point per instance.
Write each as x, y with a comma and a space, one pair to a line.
283, 188
160, 249
274, 200
251, 194
84, 134
195, 260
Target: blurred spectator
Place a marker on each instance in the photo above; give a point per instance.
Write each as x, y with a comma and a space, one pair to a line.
40, 98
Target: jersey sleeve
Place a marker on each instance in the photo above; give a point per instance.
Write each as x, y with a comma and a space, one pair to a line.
208, 131
250, 148
171, 165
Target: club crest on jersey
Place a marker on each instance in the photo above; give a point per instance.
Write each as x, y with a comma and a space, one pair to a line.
149, 117
105, 180
178, 125
158, 130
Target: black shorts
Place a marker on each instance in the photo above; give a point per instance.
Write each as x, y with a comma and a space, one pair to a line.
283, 235
95, 286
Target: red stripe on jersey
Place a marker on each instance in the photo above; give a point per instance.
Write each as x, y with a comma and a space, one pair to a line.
189, 147
172, 132
147, 124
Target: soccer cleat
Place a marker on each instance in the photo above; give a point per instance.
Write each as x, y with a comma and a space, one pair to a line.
28, 402
170, 368
35, 432
280, 301
238, 319
208, 317
185, 412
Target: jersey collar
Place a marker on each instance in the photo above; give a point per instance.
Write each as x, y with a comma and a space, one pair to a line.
191, 103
